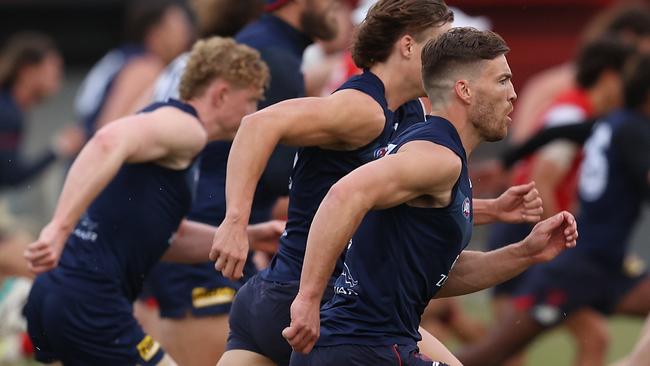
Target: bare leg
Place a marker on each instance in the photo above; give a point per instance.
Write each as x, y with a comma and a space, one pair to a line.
637, 301
435, 350
148, 318
506, 338
640, 355
167, 361
195, 341
239, 357
12, 262
589, 329
502, 306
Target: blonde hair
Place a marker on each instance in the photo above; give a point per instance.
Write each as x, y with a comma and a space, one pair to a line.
218, 57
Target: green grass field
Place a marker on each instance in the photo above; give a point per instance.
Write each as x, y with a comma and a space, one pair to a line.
556, 348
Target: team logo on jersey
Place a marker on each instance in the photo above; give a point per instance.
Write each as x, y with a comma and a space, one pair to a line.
383, 151
350, 282
466, 208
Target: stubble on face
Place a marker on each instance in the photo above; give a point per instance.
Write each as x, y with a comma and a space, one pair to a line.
319, 23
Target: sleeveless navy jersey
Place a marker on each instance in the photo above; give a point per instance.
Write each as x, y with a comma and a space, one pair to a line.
610, 199
128, 226
399, 258
317, 169
97, 85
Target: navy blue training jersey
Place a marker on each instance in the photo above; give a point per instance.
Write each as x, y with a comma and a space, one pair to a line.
610, 196
317, 169
96, 87
15, 170
128, 226
399, 258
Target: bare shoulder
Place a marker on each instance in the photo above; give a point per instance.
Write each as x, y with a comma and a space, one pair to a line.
174, 121
357, 102
437, 161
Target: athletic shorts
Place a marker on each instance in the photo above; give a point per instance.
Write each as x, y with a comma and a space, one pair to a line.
199, 289
572, 281
357, 355
88, 327
500, 235
259, 314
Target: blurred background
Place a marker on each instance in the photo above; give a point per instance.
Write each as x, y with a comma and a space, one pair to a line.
541, 34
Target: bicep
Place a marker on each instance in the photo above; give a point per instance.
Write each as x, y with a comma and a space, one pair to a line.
339, 119
402, 177
152, 136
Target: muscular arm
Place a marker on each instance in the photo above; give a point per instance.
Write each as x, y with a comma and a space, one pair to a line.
164, 133
347, 119
406, 177
298, 122
476, 271
550, 167
192, 241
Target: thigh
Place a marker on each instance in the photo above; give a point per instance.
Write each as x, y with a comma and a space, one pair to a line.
238, 357
195, 341
636, 301
433, 348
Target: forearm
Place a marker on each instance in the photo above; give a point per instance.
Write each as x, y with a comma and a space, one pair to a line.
475, 271
484, 211
91, 172
333, 226
191, 244
249, 155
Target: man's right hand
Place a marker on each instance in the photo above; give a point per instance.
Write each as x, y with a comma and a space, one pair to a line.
44, 254
230, 249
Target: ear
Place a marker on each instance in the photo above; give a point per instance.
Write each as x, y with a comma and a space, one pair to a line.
463, 91
218, 92
406, 46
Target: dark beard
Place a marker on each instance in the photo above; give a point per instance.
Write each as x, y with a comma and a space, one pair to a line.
317, 26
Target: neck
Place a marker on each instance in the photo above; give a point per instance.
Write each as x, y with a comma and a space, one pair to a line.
398, 88
23, 96
290, 14
457, 116
214, 130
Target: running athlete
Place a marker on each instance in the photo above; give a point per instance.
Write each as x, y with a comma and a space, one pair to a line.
613, 184
134, 181
341, 132
417, 203
194, 301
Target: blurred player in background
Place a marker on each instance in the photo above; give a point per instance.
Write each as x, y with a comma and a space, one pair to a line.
613, 184
156, 31
599, 68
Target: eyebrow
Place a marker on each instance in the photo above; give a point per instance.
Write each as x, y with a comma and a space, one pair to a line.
506, 75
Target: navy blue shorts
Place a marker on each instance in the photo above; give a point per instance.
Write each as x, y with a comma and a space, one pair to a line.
260, 313
258, 316
500, 235
193, 288
85, 327
573, 281
357, 355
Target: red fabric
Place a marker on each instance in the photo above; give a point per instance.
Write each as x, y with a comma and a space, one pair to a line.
566, 190
274, 5
27, 347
